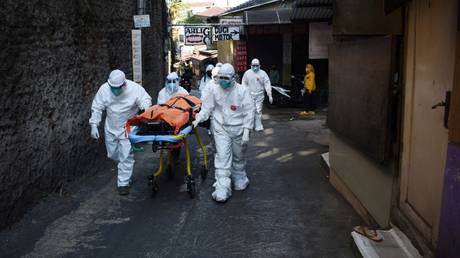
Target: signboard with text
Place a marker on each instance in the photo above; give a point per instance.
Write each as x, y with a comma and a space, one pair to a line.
221, 33
198, 35
241, 56
137, 55
231, 20
141, 21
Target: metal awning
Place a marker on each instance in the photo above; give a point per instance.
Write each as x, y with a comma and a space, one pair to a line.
281, 16
312, 10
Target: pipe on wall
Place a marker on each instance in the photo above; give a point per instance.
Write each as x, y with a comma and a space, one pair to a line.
140, 6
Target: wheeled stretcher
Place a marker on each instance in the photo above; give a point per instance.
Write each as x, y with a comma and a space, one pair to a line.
165, 139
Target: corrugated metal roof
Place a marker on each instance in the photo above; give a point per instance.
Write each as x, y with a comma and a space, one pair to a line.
281, 16
312, 2
312, 10
312, 13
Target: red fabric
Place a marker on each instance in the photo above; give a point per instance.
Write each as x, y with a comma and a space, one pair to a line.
175, 112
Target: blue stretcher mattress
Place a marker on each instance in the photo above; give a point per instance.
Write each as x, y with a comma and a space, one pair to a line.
134, 138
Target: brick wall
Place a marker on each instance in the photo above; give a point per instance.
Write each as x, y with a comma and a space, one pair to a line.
54, 56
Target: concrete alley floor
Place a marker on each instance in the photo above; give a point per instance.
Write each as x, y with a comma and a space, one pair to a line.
289, 209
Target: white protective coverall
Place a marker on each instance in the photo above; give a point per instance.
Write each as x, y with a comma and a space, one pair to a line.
119, 109
171, 88
205, 80
165, 94
232, 112
257, 82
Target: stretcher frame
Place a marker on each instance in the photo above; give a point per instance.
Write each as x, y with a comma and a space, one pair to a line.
171, 143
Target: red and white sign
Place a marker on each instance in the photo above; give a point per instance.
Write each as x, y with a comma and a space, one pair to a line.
241, 56
198, 35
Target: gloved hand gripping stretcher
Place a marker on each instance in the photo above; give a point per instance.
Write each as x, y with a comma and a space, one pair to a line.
166, 126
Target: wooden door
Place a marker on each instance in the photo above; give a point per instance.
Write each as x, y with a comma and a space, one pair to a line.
429, 70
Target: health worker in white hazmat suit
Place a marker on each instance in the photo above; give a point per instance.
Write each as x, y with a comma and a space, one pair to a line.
232, 111
121, 99
207, 77
257, 81
171, 88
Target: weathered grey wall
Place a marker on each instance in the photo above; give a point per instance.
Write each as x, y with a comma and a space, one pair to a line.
154, 39
54, 55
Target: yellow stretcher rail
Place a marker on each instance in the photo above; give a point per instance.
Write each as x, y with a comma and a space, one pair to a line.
190, 181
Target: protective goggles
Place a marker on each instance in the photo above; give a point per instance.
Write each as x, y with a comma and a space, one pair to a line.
255, 65
225, 78
172, 81
119, 87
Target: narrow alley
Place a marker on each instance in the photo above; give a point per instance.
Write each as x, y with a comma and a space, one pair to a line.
289, 209
326, 128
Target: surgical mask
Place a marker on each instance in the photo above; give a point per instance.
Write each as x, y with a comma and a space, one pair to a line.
255, 68
225, 82
171, 86
116, 90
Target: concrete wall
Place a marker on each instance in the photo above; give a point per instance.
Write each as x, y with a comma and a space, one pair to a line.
365, 17
371, 184
154, 42
55, 55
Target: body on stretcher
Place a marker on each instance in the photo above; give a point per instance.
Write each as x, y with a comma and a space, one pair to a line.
171, 143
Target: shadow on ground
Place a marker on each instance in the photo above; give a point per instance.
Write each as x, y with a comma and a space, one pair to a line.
289, 209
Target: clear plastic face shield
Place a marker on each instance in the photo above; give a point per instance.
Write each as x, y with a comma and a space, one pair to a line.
171, 85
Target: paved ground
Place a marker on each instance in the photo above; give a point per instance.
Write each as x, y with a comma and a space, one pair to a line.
289, 209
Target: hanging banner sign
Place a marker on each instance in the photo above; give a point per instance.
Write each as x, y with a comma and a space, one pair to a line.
221, 33
241, 56
137, 55
141, 21
198, 35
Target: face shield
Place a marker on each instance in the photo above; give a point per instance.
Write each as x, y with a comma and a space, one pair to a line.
171, 85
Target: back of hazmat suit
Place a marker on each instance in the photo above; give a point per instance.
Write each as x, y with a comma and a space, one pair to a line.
121, 99
207, 77
171, 88
232, 111
257, 81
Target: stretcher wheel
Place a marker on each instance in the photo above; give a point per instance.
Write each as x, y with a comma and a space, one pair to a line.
154, 187
204, 173
191, 186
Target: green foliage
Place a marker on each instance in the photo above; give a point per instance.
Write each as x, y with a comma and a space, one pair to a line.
194, 19
178, 10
